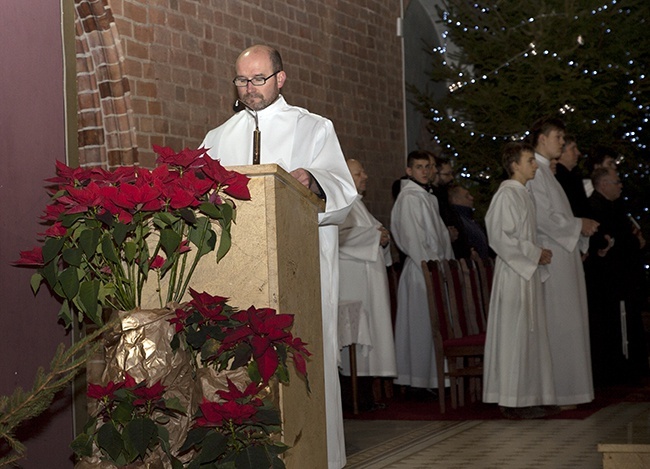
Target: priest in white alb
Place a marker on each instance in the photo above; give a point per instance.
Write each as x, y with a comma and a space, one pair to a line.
306, 145
565, 293
364, 254
420, 233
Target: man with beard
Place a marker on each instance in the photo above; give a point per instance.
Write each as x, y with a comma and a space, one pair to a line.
306, 145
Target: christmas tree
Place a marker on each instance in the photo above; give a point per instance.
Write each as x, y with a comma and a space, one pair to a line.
508, 63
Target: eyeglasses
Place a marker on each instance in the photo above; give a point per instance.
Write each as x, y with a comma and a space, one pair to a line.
241, 82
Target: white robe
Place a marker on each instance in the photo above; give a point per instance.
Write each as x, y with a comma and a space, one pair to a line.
294, 138
363, 277
565, 293
421, 234
518, 367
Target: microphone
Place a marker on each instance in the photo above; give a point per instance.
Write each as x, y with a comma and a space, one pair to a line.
257, 135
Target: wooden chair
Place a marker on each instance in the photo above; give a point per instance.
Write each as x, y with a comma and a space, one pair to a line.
474, 293
485, 269
449, 343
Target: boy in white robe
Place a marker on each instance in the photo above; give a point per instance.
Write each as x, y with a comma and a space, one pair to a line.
421, 234
306, 145
565, 293
518, 369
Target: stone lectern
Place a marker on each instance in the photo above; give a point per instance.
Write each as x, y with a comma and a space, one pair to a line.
274, 262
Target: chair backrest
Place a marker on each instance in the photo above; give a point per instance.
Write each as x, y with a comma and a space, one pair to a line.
437, 299
473, 294
458, 307
485, 269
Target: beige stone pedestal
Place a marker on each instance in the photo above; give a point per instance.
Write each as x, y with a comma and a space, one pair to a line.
274, 262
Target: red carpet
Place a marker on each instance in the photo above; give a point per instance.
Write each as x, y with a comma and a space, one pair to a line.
426, 407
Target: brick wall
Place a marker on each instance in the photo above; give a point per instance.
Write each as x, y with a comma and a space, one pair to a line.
342, 58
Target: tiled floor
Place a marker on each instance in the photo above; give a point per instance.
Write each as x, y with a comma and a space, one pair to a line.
501, 444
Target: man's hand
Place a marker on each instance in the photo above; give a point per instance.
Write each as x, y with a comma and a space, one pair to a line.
453, 233
610, 243
546, 256
305, 178
384, 239
589, 226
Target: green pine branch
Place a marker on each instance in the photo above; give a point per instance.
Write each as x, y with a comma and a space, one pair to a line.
24, 405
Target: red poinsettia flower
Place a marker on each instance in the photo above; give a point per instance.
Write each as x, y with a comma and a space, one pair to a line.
69, 176
261, 329
179, 321
185, 159
138, 197
53, 211
97, 391
234, 184
214, 414
56, 231
33, 257
208, 305
157, 262
184, 246
80, 200
233, 393
146, 394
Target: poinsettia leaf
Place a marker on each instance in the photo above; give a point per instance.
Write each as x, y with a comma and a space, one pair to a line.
253, 457
69, 282
214, 445
120, 230
164, 219
138, 433
50, 272
89, 240
73, 256
110, 440
242, 355
188, 215
65, 314
169, 240
209, 348
268, 416
122, 412
83, 445
227, 213
108, 250
202, 236
51, 248
224, 244
174, 403
196, 338
89, 294
194, 437
210, 210
130, 251
35, 282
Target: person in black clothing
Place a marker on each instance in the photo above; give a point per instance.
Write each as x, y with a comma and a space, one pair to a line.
569, 177
615, 279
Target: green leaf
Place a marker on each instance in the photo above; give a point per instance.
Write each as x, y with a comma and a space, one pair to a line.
83, 445
89, 300
110, 440
188, 215
65, 314
88, 240
70, 282
50, 272
120, 230
109, 250
174, 403
35, 282
51, 248
210, 210
130, 251
73, 256
138, 434
164, 219
169, 240
224, 244
194, 437
252, 457
214, 445
123, 411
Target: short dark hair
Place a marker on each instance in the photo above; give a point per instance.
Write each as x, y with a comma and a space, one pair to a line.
276, 60
512, 152
598, 155
417, 155
544, 125
441, 161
